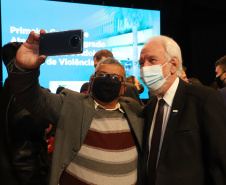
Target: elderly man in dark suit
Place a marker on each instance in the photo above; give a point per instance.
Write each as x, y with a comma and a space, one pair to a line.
184, 133
98, 135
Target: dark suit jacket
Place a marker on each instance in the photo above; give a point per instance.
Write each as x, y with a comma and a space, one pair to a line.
223, 93
131, 91
193, 151
72, 112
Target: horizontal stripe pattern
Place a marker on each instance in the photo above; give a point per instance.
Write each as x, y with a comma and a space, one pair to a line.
108, 154
67, 178
110, 125
105, 168
109, 141
95, 178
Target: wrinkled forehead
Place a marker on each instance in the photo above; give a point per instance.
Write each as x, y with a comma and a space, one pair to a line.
153, 46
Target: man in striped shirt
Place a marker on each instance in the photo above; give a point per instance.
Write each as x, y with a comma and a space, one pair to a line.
98, 135
108, 154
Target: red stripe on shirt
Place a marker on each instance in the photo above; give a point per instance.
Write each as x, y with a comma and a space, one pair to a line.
109, 141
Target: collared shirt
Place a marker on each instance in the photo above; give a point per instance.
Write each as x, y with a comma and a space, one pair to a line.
168, 97
117, 106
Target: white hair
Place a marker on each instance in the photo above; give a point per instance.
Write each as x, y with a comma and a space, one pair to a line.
172, 50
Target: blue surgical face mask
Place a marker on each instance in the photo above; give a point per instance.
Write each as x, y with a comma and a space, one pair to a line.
152, 76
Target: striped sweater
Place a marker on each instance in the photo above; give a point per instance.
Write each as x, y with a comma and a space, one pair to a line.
108, 155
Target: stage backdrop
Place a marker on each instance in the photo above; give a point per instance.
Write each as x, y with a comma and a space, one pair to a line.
123, 31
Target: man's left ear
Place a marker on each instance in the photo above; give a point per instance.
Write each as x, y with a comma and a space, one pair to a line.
91, 79
174, 63
124, 86
224, 73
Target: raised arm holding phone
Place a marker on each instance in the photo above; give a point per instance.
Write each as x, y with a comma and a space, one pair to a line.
98, 135
28, 55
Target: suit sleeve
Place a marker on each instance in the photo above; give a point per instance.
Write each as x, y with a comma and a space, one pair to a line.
25, 86
214, 138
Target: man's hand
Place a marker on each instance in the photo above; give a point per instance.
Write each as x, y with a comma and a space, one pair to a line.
27, 56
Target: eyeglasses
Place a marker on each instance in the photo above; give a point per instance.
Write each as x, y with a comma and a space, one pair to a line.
114, 77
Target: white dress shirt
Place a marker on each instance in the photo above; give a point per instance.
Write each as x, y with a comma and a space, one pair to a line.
168, 97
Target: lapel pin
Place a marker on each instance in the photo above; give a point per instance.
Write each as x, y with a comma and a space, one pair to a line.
174, 112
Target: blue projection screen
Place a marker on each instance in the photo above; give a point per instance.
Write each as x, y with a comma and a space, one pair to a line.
124, 31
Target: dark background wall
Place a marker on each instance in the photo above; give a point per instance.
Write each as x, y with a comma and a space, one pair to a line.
200, 30
198, 26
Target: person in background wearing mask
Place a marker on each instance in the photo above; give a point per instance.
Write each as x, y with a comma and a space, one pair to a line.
98, 135
220, 68
188, 148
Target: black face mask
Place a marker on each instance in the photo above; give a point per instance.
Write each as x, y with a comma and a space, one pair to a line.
141, 88
105, 90
219, 81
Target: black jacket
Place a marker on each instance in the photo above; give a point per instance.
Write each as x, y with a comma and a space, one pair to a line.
23, 154
193, 149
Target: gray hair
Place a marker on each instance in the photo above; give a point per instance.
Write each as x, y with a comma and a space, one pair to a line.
172, 50
110, 60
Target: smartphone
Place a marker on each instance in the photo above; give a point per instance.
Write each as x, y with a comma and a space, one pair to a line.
61, 43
